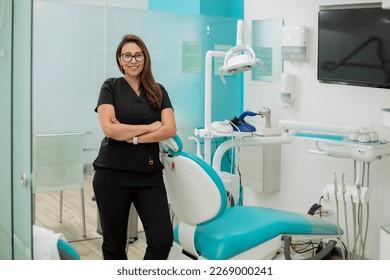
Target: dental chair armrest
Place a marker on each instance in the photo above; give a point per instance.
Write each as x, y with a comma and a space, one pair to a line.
287, 245
66, 251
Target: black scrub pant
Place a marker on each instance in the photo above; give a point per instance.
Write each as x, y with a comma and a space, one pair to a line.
114, 201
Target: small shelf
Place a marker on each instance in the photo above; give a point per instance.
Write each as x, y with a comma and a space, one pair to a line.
341, 147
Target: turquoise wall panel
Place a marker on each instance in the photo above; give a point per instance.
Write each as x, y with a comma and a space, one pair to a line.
227, 8
224, 8
178, 6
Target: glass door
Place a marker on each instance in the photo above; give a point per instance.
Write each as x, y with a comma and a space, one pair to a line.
15, 111
5, 115
21, 128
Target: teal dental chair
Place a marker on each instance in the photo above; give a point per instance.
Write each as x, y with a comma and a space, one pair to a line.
208, 228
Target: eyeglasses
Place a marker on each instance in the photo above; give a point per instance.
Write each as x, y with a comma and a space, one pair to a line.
128, 57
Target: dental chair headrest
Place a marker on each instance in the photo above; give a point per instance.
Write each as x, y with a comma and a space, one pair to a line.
173, 144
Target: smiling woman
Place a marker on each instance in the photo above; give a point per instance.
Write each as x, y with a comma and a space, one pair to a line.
135, 114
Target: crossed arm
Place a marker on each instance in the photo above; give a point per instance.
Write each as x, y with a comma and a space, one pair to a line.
147, 133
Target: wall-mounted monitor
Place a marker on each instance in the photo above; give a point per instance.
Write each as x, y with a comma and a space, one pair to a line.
354, 46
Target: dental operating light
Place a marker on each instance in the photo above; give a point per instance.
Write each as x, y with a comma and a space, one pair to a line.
239, 58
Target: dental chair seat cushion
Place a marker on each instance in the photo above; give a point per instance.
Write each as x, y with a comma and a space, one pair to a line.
241, 228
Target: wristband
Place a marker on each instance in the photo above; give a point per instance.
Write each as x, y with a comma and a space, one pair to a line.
135, 140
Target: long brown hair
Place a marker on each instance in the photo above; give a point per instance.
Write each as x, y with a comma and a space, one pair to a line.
152, 89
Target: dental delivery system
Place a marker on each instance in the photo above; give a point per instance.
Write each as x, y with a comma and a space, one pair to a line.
361, 145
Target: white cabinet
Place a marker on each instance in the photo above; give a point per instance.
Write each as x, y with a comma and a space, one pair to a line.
260, 167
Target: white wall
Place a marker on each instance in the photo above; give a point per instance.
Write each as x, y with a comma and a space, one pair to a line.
304, 175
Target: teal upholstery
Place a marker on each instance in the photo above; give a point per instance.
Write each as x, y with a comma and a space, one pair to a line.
66, 251
243, 227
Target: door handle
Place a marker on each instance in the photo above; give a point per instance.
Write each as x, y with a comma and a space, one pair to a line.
24, 180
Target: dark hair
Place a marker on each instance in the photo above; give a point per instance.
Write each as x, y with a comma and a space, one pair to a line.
147, 82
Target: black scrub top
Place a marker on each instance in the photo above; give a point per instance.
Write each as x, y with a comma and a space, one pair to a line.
129, 109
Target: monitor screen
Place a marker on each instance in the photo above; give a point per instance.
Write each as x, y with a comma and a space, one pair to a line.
354, 46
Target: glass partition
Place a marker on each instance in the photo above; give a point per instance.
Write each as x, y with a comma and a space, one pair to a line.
68, 56
68, 67
74, 44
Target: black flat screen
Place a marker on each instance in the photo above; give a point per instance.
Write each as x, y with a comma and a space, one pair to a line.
354, 46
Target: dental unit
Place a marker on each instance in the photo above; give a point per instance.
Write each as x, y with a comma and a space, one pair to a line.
207, 203
363, 147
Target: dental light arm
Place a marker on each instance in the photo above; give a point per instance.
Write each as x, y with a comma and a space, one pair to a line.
240, 33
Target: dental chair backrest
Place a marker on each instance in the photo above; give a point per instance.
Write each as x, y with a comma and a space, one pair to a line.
195, 191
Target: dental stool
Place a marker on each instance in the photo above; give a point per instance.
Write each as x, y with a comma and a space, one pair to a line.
208, 228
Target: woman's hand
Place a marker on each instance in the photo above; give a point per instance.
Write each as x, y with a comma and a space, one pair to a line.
155, 126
